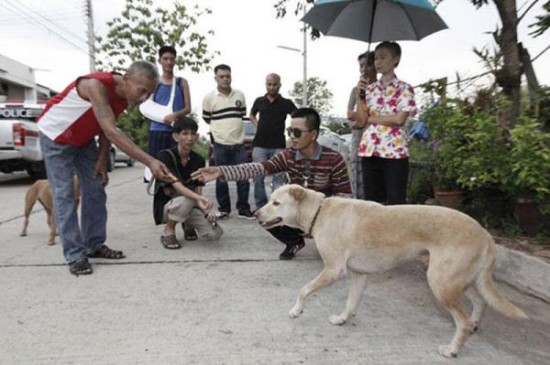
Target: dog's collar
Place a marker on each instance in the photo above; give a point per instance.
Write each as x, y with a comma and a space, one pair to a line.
308, 235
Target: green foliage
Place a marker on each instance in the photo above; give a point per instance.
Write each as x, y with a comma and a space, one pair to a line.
543, 21
338, 126
491, 206
529, 160
421, 164
135, 126
319, 95
142, 29
201, 147
540, 109
448, 127
469, 148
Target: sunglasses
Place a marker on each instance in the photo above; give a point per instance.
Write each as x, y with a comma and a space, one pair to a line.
297, 132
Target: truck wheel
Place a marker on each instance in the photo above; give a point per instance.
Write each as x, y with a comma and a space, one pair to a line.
37, 170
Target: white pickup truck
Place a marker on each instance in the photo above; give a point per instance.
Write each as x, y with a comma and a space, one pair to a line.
19, 142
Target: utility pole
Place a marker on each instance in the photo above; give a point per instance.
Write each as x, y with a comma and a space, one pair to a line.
304, 54
91, 36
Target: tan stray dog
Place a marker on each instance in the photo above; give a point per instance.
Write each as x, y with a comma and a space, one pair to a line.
363, 237
40, 191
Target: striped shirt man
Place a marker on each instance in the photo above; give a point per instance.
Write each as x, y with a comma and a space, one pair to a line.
225, 115
325, 172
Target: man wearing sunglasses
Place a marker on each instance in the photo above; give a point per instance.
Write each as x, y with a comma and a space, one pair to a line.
306, 163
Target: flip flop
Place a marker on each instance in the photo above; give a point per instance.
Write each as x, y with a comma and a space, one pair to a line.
170, 242
105, 252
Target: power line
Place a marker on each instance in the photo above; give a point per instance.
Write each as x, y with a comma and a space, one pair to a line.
40, 16
17, 10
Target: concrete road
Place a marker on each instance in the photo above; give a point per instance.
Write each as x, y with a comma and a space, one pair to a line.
221, 303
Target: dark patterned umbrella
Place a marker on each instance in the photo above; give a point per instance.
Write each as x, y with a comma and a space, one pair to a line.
375, 20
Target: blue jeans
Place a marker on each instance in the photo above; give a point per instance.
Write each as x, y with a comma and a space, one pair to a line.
62, 161
231, 155
264, 154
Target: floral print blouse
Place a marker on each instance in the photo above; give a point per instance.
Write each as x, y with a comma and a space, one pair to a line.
387, 99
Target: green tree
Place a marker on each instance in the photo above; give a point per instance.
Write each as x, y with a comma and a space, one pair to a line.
508, 77
318, 94
138, 33
141, 29
543, 21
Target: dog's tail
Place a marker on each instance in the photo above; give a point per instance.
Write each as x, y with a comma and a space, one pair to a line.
489, 291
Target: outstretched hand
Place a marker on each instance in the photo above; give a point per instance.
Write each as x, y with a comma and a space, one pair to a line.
206, 174
160, 171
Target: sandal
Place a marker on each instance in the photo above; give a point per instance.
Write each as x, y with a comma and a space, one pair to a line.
190, 234
80, 267
105, 252
170, 242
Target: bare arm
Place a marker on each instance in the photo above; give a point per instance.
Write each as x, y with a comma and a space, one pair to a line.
253, 119
361, 115
206, 174
171, 118
351, 107
390, 120
95, 92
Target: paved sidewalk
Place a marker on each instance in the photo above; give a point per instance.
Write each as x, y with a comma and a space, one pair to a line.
226, 302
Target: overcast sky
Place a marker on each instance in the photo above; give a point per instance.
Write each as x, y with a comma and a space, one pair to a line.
50, 37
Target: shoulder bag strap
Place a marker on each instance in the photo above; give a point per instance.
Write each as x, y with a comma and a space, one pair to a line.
172, 94
175, 164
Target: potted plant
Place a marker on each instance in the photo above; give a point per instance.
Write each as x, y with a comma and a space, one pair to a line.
447, 125
470, 151
528, 175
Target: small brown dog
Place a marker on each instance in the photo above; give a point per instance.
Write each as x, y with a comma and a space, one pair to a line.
41, 191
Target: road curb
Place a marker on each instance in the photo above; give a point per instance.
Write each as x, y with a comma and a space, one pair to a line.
526, 273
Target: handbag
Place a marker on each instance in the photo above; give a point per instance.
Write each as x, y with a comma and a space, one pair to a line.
155, 111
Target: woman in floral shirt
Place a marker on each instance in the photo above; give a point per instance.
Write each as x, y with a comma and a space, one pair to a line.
384, 110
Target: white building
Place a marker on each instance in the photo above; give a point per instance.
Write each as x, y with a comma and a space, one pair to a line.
17, 83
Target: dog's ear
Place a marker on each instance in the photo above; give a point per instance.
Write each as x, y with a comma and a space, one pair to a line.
297, 193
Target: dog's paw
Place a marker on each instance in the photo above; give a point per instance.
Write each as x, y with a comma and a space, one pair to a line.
294, 312
446, 351
337, 320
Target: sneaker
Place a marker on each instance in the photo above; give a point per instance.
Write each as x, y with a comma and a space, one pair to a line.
246, 214
290, 251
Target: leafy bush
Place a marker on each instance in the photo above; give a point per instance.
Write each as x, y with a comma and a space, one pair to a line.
528, 161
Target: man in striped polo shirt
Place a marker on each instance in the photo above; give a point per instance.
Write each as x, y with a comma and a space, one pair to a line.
306, 163
224, 109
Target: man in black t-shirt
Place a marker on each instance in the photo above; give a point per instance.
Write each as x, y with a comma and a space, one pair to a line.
182, 200
270, 132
